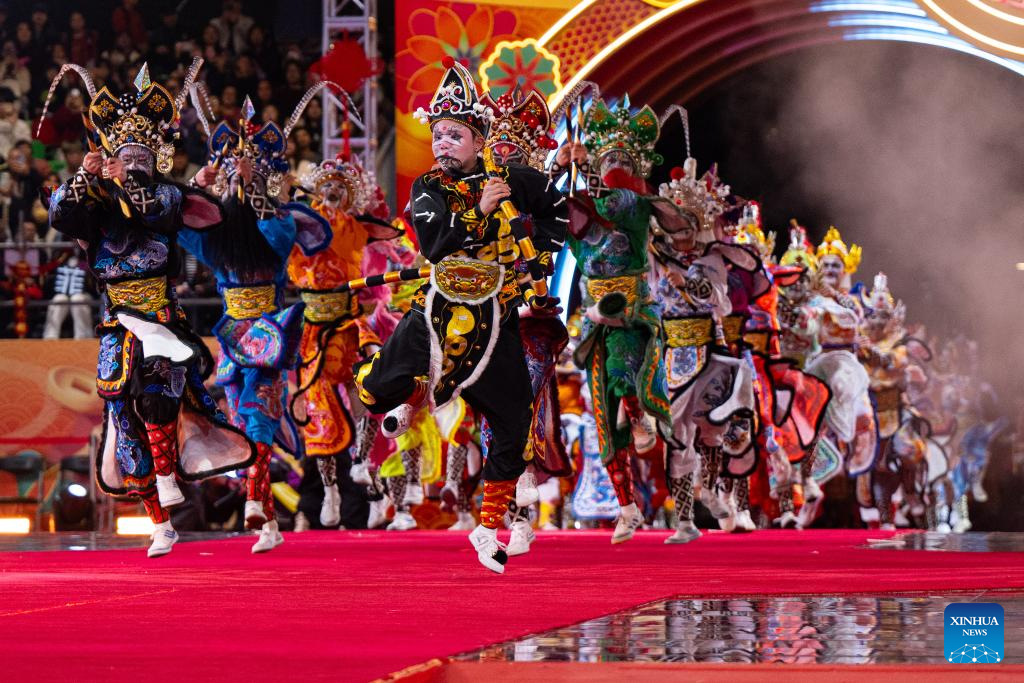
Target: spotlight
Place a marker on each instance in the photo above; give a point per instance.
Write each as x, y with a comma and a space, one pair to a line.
15, 525
77, 490
134, 526
1020, 265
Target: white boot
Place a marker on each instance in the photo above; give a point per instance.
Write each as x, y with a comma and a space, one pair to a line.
398, 420
686, 531
526, 489
979, 493
167, 490
413, 494
403, 521
629, 521
301, 523
787, 520
521, 538
269, 538
491, 553
360, 473
744, 523
463, 522
727, 502
330, 509
812, 491
164, 538
378, 513
255, 518
715, 505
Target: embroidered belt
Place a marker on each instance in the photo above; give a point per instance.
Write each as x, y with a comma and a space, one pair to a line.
462, 279
732, 326
242, 303
148, 295
887, 399
325, 307
688, 331
627, 285
758, 340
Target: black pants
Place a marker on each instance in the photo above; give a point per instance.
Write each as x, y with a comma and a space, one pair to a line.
503, 393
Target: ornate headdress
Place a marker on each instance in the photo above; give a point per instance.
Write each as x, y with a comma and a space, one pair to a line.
800, 251
880, 299
833, 245
146, 118
456, 100
359, 184
265, 146
524, 123
694, 197
619, 130
752, 233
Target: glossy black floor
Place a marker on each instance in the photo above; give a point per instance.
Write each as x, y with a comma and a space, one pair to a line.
994, 542
802, 629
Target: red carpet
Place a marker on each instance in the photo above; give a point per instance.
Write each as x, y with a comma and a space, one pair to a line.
355, 606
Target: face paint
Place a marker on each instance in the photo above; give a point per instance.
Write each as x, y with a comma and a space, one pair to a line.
454, 146
334, 195
617, 160
832, 269
136, 158
506, 153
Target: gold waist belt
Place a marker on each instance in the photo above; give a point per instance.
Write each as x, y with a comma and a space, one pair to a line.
325, 307
887, 399
758, 340
627, 285
148, 296
242, 303
688, 332
732, 326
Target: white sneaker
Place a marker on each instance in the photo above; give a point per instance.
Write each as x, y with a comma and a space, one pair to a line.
629, 521
269, 538
167, 491
360, 473
790, 521
463, 522
962, 525
744, 523
301, 523
726, 502
378, 513
715, 505
943, 528
979, 493
255, 518
812, 491
413, 494
808, 513
526, 490
521, 538
685, 532
164, 538
887, 527
403, 521
330, 509
645, 438
491, 553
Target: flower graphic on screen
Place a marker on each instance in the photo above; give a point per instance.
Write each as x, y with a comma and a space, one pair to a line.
465, 32
524, 63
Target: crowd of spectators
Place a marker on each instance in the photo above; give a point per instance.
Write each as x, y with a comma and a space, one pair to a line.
112, 39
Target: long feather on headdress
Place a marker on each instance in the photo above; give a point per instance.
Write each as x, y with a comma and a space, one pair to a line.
684, 117
200, 99
186, 85
90, 87
572, 96
310, 94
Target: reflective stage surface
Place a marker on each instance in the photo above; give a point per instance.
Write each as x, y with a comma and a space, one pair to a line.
91, 540
809, 629
996, 542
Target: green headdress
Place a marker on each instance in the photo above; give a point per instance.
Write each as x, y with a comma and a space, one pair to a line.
617, 130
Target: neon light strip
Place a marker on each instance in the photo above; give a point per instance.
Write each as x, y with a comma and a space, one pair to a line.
998, 14
926, 25
610, 49
896, 7
566, 18
963, 28
951, 43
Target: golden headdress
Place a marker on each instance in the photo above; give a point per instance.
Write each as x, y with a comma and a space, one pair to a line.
833, 245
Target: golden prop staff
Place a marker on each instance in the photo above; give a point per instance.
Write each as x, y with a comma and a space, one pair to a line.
538, 291
387, 278
105, 143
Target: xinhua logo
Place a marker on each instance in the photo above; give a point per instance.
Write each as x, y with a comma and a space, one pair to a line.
973, 633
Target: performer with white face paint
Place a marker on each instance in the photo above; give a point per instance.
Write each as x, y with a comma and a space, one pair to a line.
461, 336
159, 421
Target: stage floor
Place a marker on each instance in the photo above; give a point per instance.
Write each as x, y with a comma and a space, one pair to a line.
362, 605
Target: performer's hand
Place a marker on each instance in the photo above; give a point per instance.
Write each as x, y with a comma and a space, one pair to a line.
285, 195
206, 176
569, 153
93, 163
114, 168
244, 169
495, 190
